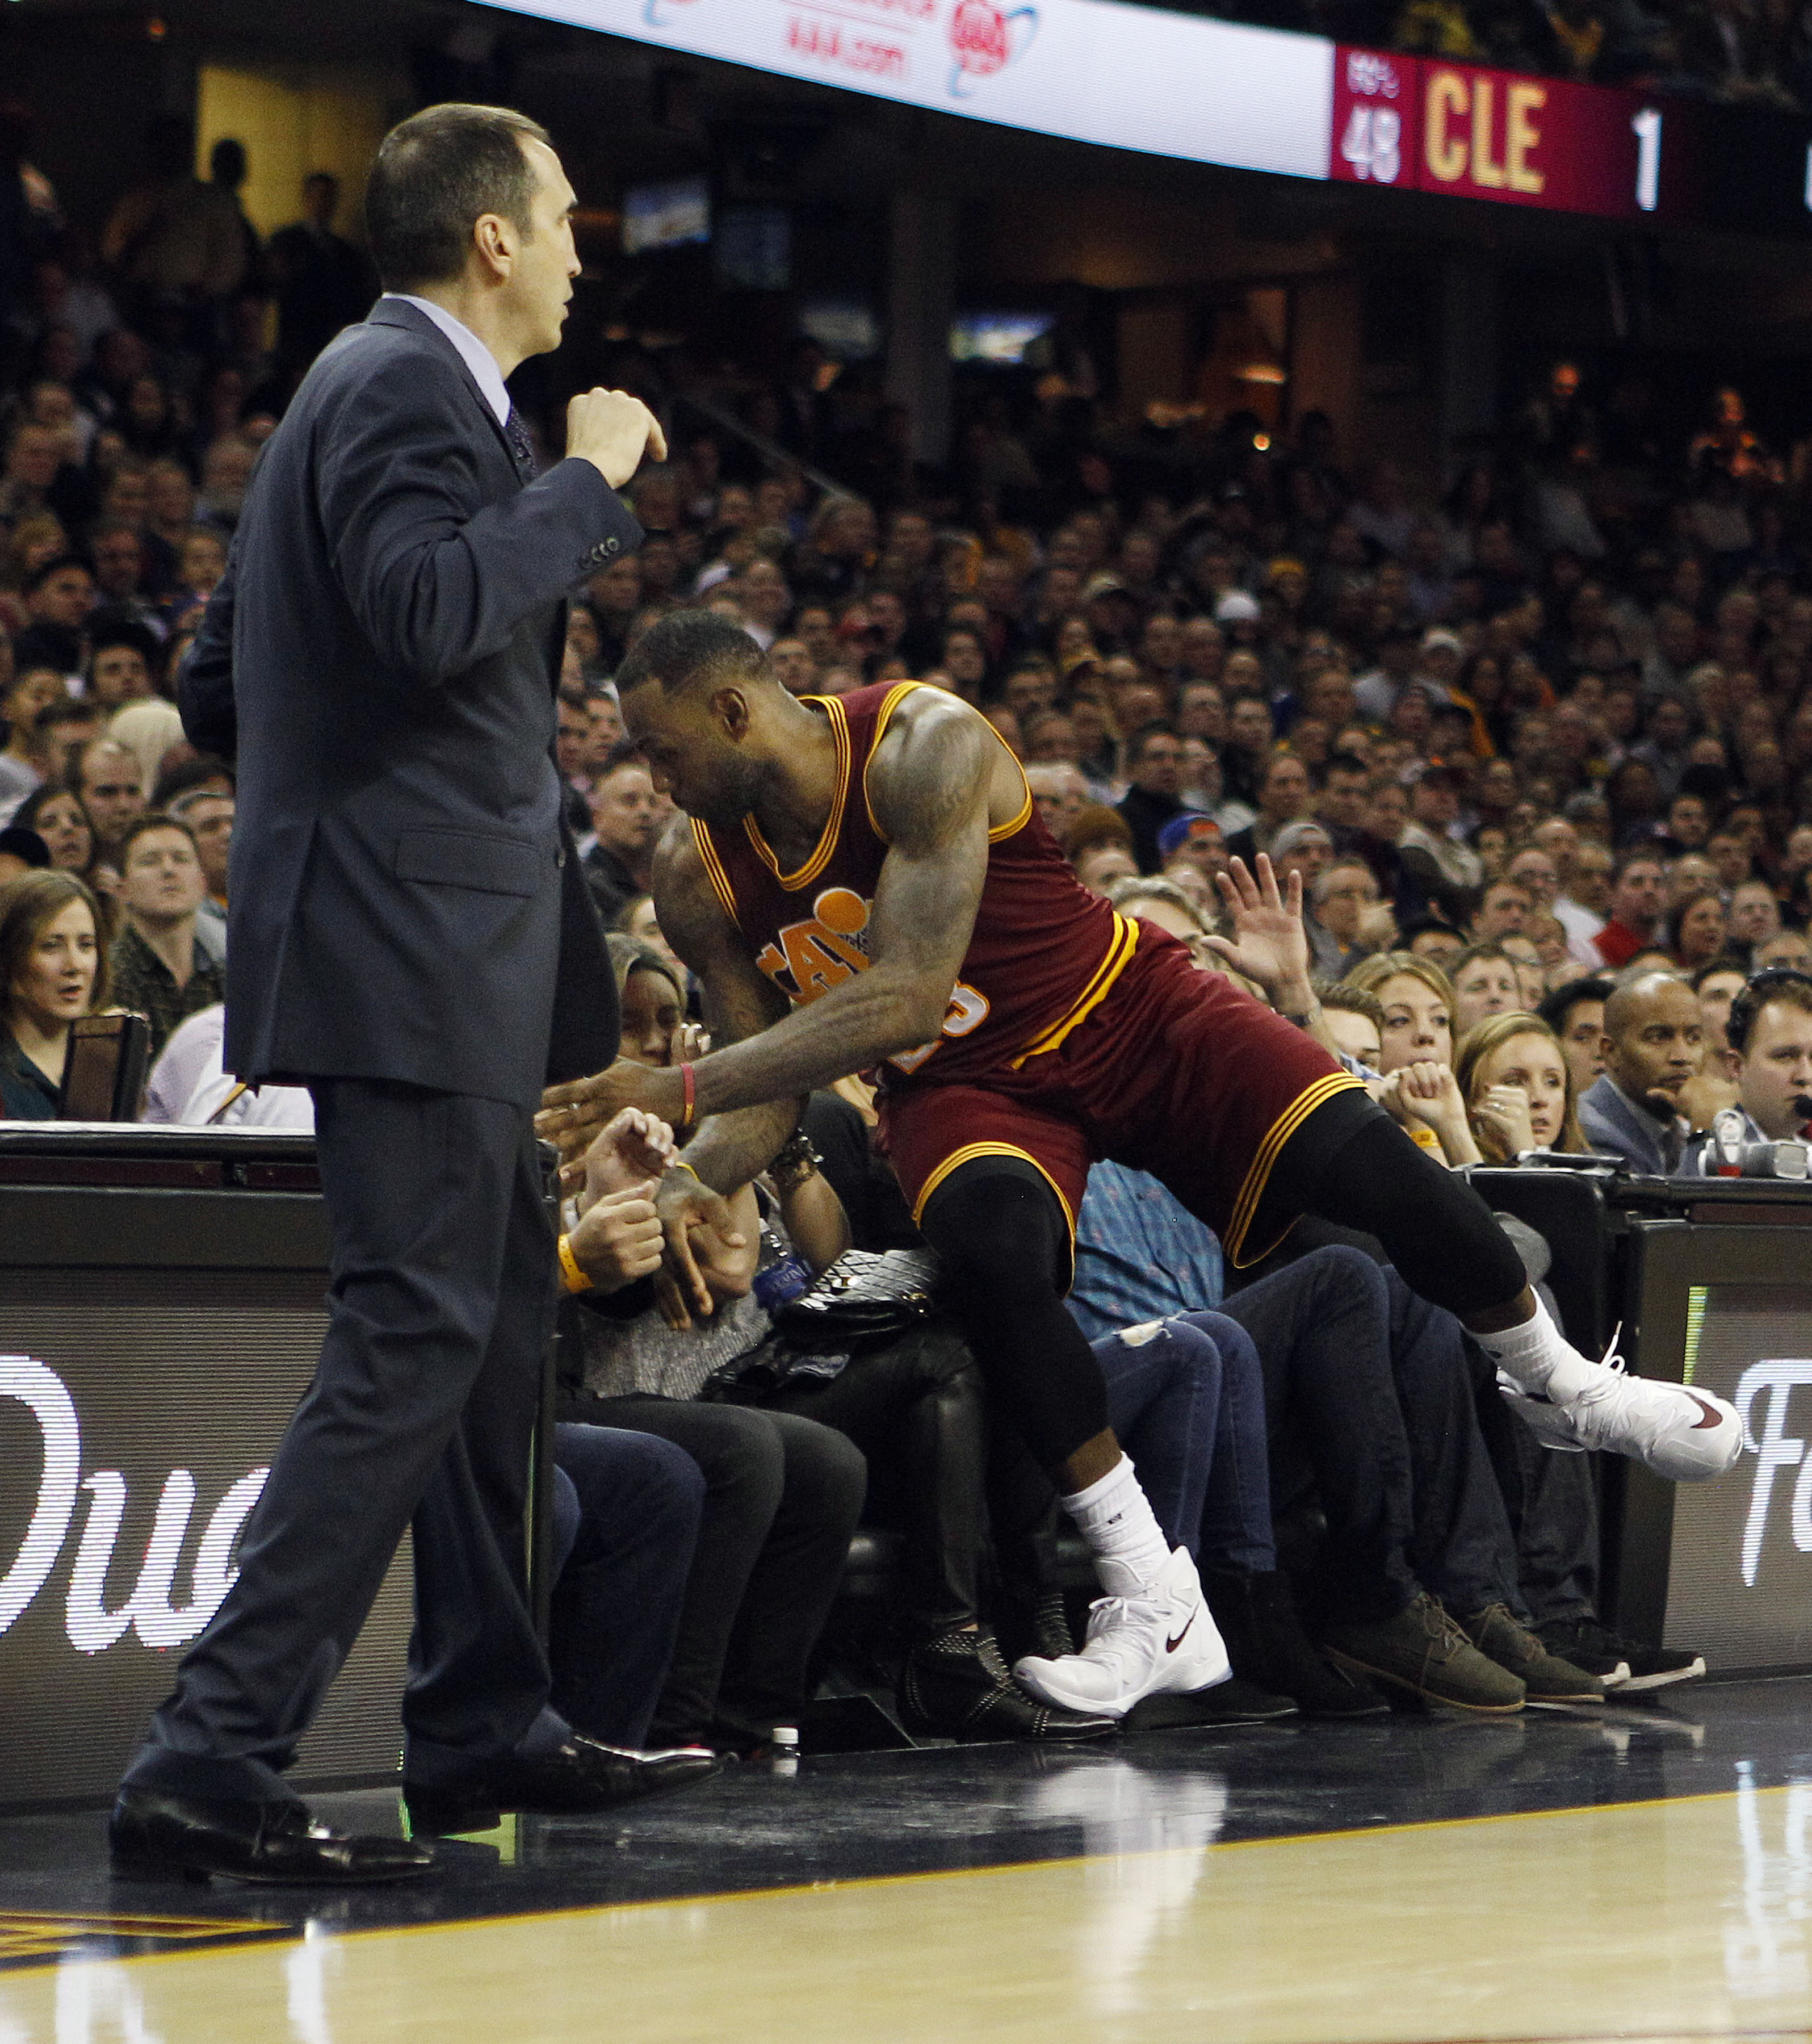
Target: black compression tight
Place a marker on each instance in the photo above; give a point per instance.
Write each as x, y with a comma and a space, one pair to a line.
1001, 1236
1436, 1230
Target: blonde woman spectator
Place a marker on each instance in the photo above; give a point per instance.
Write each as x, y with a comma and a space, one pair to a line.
1517, 1088
1416, 1052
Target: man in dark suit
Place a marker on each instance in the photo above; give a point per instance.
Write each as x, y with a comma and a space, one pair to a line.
323, 282
412, 940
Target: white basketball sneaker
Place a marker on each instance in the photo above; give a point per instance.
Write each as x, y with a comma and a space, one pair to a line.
1137, 1646
1684, 1435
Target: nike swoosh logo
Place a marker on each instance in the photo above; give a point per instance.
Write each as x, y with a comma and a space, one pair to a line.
1171, 1645
1713, 1418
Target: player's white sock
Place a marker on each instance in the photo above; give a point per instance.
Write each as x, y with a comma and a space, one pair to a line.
1114, 1515
1539, 1358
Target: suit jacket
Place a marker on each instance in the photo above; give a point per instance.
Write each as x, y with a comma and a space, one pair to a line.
385, 650
1614, 1124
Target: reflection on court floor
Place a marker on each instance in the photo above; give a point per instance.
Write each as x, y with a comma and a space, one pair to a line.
1682, 1918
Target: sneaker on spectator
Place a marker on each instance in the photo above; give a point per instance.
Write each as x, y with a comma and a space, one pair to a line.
1625, 1666
1421, 1649
1684, 1435
956, 1686
1502, 1637
1137, 1646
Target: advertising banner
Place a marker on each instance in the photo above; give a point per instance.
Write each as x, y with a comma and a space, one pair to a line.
1090, 71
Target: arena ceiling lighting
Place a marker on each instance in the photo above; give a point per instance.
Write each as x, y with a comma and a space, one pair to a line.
1141, 78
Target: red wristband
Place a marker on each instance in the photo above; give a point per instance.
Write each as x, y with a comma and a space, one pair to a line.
688, 1080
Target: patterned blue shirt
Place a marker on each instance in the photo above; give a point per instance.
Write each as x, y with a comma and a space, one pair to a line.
1140, 1254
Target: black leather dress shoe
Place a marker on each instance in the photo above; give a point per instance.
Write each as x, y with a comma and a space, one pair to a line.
157, 1837
577, 1778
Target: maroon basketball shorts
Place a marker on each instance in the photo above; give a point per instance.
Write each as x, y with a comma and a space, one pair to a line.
1175, 1072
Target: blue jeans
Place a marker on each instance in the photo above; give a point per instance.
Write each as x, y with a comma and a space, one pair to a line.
1188, 1406
1369, 1399
627, 1508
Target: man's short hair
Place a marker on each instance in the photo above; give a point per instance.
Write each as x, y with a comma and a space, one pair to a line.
1555, 1008
625, 752
1346, 999
1640, 855
188, 778
153, 820
437, 173
56, 565
1774, 983
686, 647
1142, 737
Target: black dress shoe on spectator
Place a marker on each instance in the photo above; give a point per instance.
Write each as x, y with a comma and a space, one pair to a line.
157, 1837
1269, 1649
958, 1686
575, 1778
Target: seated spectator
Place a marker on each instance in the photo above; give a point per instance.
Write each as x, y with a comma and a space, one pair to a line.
1792, 947
1769, 1033
627, 818
32, 691
51, 970
1485, 979
1695, 930
1754, 917
1285, 796
1654, 1043
1155, 767
1416, 1050
1717, 985
1576, 1014
1154, 899
1100, 848
111, 784
1504, 910
1347, 919
1437, 942
1434, 827
1638, 893
159, 970
1513, 1072
1356, 1021
1363, 1384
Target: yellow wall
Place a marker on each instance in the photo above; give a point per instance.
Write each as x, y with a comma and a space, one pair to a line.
293, 119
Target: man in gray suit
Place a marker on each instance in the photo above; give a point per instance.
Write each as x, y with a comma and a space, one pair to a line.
1654, 1042
412, 940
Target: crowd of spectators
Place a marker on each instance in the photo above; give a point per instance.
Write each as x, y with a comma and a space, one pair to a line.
1506, 795
1745, 52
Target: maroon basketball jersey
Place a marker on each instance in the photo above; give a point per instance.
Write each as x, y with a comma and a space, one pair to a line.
1044, 950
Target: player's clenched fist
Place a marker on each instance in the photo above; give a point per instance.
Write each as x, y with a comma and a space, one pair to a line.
620, 1239
613, 432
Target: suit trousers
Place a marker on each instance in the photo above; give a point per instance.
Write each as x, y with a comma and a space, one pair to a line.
421, 1410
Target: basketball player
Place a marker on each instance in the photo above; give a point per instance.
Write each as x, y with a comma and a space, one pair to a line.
864, 882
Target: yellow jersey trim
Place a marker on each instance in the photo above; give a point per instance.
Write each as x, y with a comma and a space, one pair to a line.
1119, 956
1258, 1172
714, 869
834, 824
890, 703
967, 1155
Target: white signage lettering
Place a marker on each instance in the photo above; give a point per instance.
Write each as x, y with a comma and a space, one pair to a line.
148, 1611
1776, 1449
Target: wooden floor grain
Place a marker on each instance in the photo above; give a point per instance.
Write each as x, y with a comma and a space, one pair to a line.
1687, 1919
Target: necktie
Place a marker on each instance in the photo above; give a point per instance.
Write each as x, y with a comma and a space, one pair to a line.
516, 433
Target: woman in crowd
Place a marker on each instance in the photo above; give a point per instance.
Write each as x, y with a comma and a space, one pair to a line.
1696, 928
57, 816
52, 970
1513, 1072
1416, 1047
